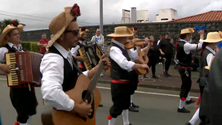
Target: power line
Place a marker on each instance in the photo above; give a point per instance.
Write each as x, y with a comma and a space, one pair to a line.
24, 14
25, 17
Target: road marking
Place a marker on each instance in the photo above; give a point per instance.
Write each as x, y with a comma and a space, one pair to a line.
151, 93
3, 79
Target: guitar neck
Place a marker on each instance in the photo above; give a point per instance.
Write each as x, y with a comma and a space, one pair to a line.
95, 78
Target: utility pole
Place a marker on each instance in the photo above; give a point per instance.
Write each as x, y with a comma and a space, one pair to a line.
101, 16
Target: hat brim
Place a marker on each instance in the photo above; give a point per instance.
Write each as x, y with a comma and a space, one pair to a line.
55, 37
212, 40
119, 35
2, 36
207, 67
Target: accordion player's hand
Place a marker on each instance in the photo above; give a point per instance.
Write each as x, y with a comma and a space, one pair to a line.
5, 68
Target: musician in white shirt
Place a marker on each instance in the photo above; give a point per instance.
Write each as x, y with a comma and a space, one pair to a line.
59, 73
23, 99
122, 74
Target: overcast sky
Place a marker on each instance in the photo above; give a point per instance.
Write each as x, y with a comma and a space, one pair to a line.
43, 11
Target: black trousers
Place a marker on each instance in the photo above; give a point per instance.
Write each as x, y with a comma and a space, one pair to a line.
201, 90
152, 63
167, 62
24, 102
121, 98
204, 106
186, 82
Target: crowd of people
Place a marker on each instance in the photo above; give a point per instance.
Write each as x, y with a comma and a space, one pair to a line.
62, 64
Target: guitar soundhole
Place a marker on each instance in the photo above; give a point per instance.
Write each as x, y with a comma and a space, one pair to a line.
87, 95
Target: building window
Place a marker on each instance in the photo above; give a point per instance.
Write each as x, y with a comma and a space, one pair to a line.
164, 19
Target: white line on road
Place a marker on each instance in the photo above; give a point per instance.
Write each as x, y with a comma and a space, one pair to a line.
151, 93
3, 79
141, 92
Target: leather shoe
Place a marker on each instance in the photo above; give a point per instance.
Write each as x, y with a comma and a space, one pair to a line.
135, 106
187, 123
183, 110
190, 102
132, 109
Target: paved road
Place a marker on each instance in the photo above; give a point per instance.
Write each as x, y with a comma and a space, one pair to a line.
157, 107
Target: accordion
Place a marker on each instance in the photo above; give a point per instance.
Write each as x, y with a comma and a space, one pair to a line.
92, 54
24, 68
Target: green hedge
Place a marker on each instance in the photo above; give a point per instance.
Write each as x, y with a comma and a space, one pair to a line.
32, 45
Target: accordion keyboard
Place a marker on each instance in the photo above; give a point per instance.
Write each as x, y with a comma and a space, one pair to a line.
87, 63
13, 75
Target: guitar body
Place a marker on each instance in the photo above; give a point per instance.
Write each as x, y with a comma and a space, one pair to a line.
145, 58
66, 118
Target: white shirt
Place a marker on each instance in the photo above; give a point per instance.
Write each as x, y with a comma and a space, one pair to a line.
74, 50
4, 50
158, 42
210, 55
120, 59
52, 69
189, 47
101, 39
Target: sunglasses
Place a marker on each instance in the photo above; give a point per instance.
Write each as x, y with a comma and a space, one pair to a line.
75, 32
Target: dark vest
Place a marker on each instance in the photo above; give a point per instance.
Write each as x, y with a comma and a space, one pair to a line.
70, 75
203, 63
117, 73
13, 49
184, 59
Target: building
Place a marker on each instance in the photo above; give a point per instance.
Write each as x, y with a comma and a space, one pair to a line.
207, 16
133, 15
142, 16
166, 15
125, 16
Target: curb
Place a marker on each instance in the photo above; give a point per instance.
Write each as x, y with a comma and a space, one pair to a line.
155, 86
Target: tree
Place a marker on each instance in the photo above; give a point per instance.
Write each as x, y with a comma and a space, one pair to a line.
4, 23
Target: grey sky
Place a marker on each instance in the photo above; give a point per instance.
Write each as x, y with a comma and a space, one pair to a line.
43, 11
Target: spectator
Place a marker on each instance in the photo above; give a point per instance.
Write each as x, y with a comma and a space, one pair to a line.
153, 55
43, 44
166, 50
99, 38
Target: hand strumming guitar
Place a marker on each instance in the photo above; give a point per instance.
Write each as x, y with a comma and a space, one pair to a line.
84, 109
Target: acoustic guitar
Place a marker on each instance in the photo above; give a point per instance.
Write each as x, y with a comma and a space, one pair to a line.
85, 89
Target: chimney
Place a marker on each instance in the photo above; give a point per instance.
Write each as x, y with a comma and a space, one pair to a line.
133, 14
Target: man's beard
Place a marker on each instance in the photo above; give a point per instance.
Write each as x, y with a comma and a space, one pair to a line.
82, 39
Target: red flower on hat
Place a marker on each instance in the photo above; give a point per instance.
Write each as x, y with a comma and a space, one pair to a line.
83, 28
14, 23
131, 28
135, 28
75, 11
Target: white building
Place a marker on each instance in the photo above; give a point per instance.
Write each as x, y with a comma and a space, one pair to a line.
142, 16
125, 16
166, 15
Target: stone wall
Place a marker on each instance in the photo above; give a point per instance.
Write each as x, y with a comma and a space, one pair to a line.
145, 29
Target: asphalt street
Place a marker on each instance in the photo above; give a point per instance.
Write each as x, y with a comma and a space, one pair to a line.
157, 107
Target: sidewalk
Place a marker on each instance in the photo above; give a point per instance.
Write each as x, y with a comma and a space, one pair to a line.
169, 83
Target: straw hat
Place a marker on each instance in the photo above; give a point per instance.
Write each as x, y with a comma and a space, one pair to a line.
187, 31
213, 37
121, 31
59, 24
9, 28
83, 30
